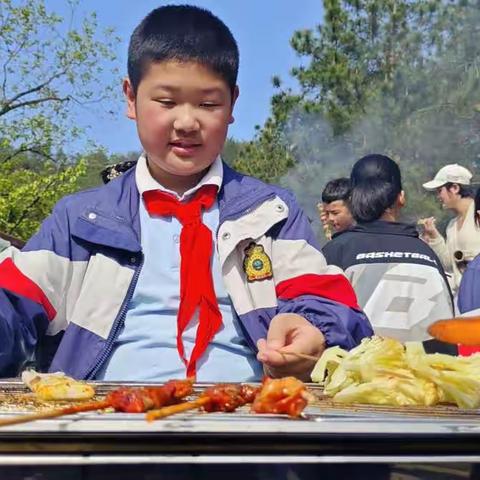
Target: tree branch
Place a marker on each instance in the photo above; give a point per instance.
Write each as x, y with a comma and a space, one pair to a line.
31, 150
11, 55
9, 102
29, 103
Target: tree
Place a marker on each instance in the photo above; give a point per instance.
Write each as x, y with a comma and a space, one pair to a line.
50, 67
393, 76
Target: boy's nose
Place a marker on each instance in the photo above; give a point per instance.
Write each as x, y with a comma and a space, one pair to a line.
186, 121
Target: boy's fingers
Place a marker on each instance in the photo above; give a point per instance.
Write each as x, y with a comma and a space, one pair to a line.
273, 358
261, 344
278, 332
268, 353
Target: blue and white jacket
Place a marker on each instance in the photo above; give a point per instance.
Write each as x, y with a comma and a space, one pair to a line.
64, 297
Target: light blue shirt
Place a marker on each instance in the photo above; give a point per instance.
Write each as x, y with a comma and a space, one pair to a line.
146, 348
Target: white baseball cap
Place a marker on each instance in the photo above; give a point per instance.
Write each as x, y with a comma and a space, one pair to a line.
453, 173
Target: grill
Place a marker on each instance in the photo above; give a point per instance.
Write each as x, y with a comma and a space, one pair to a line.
325, 429
328, 433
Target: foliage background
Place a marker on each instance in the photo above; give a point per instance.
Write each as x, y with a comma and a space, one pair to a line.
399, 77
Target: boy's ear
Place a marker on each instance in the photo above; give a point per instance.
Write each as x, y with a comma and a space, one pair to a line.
402, 199
130, 97
236, 93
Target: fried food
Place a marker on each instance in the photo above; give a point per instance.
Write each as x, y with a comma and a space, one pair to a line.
57, 386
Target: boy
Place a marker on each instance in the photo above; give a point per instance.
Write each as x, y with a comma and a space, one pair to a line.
181, 266
335, 211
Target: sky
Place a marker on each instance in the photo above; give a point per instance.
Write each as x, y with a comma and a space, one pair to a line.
262, 29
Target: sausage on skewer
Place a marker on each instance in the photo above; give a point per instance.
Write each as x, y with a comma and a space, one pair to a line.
219, 398
284, 395
132, 400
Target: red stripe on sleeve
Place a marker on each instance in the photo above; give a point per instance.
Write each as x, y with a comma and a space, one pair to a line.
333, 287
466, 350
13, 280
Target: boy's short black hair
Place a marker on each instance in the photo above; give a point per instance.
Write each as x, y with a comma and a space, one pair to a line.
337, 189
183, 33
376, 183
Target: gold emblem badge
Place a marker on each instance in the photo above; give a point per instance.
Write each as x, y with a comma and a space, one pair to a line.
256, 263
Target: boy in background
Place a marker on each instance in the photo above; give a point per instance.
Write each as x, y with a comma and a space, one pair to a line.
335, 213
181, 266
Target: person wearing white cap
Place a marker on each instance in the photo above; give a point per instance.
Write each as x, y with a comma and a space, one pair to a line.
462, 243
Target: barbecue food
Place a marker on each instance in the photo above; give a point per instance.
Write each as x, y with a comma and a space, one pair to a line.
224, 397
228, 397
138, 400
132, 400
465, 331
56, 386
383, 371
282, 395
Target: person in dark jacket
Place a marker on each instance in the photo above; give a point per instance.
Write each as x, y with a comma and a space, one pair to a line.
469, 291
398, 279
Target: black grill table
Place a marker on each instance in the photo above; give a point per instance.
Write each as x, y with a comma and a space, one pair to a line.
330, 440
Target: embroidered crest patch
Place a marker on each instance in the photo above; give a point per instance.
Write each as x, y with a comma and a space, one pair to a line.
257, 264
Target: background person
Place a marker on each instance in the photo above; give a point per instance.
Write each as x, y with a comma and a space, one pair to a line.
469, 291
462, 238
334, 209
398, 279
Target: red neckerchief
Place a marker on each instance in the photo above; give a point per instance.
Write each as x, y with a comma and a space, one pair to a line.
196, 283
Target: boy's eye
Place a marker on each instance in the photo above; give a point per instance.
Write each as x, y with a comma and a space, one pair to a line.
209, 104
165, 102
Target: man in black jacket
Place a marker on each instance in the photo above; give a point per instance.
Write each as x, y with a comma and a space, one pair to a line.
398, 279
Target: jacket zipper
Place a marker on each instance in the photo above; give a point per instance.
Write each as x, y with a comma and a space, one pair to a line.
119, 321
117, 324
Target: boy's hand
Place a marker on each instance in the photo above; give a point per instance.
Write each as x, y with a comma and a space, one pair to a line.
290, 332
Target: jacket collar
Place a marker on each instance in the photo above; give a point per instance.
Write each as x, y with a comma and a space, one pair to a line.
110, 217
385, 228
240, 193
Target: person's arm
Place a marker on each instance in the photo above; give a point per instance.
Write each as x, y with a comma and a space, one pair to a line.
31, 290
310, 294
437, 243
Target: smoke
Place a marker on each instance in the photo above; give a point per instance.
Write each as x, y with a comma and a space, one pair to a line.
421, 126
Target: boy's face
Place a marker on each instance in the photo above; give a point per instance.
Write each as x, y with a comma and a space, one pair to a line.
338, 215
182, 112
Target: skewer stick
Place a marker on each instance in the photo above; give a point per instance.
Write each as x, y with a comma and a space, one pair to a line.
53, 413
172, 409
299, 355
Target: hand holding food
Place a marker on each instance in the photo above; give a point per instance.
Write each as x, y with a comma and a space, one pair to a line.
294, 336
327, 228
430, 231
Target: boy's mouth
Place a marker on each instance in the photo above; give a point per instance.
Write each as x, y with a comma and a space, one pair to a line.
184, 148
